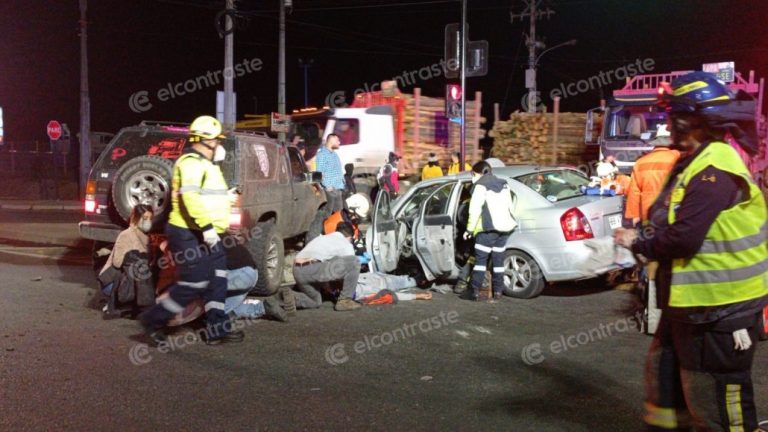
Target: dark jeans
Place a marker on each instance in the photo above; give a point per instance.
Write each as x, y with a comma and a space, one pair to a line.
202, 273
335, 201
345, 268
489, 244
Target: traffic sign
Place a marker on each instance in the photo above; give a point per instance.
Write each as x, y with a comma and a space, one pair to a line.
281, 122
54, 130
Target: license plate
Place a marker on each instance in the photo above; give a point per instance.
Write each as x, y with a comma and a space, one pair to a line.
614, 221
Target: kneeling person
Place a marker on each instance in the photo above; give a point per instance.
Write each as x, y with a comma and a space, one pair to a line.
327, 258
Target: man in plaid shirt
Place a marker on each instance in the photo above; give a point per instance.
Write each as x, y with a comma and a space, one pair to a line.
329, 164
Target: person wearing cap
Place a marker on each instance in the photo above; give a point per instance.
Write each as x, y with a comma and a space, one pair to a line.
649, 175
199, 216
388, 176
432, 169
708, 231
455, 166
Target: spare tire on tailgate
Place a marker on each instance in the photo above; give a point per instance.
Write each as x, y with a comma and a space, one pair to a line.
143, 180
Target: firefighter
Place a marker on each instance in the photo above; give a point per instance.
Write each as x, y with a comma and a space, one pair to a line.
432, 168
200, 213
490, 223
648, 177
709, 237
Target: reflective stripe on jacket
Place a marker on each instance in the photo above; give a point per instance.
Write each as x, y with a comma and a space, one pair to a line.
732, 264
648, 178
199, 195
490, 208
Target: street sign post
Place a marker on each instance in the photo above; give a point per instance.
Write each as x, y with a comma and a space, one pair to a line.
54, 130
281, 123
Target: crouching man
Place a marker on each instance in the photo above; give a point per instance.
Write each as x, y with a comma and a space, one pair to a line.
327, 258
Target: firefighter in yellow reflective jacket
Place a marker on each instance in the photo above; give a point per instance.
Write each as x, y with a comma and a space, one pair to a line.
200, 213
709, 234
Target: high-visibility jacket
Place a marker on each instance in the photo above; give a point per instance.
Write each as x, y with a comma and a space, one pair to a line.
491, 205
454, 168
199, 195
648, 178
431, 171
732, 264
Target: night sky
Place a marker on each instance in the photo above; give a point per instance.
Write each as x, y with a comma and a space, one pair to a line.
143, 45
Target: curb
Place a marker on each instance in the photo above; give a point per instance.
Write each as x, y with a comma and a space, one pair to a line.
70, 242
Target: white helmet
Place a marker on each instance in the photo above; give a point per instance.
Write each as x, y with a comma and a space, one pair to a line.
359, 204
604, 169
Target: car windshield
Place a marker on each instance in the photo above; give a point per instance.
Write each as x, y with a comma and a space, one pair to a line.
556, 185
631, 122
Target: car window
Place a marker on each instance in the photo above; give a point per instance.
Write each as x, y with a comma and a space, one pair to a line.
263, 162
298, 168
348, 131
556, 185
438, 202
411, 208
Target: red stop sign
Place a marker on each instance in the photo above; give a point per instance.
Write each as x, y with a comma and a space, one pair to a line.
54, 130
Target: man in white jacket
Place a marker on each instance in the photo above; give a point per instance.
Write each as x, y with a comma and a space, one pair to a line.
490, 222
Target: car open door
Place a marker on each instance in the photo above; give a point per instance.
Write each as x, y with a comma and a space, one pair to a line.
384, 247
434, 233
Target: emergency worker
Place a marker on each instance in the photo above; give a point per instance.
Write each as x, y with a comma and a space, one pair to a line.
709, 237
490, 223
200, 213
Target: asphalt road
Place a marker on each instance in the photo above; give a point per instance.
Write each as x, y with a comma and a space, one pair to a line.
569, 360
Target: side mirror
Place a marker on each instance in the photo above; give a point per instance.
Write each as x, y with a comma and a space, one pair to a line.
313, 177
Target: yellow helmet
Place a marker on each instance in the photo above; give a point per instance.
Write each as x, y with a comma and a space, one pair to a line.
206, 127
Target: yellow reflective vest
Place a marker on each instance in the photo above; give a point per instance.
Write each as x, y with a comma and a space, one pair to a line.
199, 195
732, 264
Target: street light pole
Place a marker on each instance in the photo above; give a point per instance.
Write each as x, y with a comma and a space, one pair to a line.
532, 58
462, 125
281, 69
229, 99
306, 65
85, 103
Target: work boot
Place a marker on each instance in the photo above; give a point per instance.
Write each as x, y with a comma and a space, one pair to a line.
495, 297
273, 310
288, 300
460, 287
346, 304
470, 294
231, 337
156, 337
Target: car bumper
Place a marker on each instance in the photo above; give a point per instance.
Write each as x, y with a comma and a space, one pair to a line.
571, 261
99, 231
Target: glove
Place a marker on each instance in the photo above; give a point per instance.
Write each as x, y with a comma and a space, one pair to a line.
741, 340
210, 237
467, 235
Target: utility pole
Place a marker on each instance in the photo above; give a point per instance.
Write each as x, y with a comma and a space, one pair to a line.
533, 13
281, 67
229, 99
306, 65
463, 72
85, 103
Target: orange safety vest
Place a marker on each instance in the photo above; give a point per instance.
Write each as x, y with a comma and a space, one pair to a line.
329, 226
648, 178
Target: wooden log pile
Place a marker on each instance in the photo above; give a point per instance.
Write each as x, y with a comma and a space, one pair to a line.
430, 110
529, 138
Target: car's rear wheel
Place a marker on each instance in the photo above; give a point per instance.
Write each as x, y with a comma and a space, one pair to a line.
522, 276
267, 249
143, 180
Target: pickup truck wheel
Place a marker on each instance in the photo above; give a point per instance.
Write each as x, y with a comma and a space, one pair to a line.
522, 276
316, 227
143, 180
267, 249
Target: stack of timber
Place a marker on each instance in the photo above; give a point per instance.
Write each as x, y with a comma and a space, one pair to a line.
530, 138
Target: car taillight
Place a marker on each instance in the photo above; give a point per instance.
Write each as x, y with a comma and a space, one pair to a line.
235, 218
575, 225
90, 196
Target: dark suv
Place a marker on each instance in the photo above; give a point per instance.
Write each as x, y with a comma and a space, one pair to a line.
279, 198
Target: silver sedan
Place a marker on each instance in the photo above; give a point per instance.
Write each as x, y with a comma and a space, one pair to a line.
424, 226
